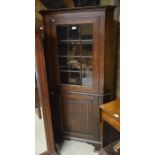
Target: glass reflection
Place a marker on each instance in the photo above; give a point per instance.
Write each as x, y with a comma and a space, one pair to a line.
87, 79
74, 32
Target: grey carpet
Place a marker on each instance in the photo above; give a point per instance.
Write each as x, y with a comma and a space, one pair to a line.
71, 147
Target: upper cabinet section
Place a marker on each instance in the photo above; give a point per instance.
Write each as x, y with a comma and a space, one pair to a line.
76, 48
76, 52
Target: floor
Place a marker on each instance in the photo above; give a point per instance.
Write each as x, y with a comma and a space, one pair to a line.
69, 147
40, 141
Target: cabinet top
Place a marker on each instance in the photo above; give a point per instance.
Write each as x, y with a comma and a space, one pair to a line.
87, 8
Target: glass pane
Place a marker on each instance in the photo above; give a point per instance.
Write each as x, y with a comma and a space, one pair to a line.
62, 32
75, 78
64, 76
87, 49
75, 64
63, 49
74, 49
87, 64
63, 61
86, 31
87, 79
74, 32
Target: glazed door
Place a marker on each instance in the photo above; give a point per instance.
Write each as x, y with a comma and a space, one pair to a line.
76, 54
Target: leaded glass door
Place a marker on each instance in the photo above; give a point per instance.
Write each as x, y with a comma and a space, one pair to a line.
77, 54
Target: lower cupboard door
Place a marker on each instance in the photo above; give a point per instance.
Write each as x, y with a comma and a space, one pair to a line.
79, 116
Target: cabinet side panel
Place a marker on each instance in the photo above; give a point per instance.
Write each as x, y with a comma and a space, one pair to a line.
101, 41
108, 55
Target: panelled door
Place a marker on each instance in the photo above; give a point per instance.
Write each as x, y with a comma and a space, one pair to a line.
79, 116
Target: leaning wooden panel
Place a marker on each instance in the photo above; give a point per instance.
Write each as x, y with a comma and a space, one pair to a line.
43, 91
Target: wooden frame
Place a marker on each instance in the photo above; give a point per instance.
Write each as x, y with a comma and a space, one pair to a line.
43, 92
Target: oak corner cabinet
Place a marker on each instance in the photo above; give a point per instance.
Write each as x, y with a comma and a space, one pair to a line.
79, 61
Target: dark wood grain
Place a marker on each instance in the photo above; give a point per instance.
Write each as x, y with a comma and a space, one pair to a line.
74, 109
43, 90
78, 115
85, 9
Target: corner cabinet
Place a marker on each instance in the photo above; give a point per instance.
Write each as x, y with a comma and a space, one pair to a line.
79, 60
